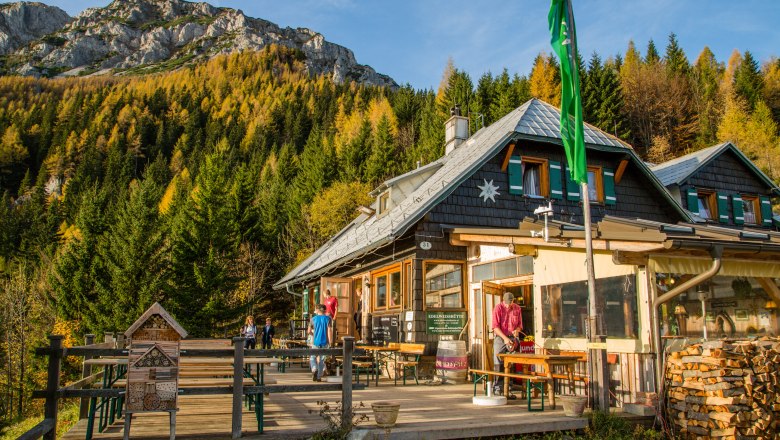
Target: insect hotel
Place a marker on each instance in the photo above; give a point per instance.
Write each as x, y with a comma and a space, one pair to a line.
153, 365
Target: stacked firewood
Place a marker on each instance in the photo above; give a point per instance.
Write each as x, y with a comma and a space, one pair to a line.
727, 389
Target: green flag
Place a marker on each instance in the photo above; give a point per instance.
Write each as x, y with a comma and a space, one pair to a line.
564, 42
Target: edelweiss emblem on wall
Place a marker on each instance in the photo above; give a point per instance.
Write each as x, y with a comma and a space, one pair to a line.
489, 191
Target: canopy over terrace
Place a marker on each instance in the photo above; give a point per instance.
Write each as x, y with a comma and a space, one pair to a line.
698, 257
643, 242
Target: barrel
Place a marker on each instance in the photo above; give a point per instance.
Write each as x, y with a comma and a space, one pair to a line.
452, 362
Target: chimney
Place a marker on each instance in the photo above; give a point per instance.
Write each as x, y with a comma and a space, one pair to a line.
456, 130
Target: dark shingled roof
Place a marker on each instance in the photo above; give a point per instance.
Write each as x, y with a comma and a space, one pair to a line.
677, 171
534, 120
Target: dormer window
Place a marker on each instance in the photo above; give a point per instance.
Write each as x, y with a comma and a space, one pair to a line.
707, 205
751, 210
595, 185
535, 180
384, 201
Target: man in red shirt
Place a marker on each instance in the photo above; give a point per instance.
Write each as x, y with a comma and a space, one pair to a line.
331, 309
507, 322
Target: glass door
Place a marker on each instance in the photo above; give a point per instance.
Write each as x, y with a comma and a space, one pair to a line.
341, 288
492, 294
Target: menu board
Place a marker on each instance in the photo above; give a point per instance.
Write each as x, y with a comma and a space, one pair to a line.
384, 329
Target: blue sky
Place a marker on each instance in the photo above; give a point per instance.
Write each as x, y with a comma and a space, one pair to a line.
411, 40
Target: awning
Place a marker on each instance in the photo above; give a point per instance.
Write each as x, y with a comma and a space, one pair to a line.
696, 265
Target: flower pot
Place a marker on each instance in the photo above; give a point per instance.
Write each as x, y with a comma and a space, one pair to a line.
573, 406
385, 413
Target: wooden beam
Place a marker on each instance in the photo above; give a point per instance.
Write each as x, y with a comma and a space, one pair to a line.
620, 170
508, 155
631, 246
630, 258
524, 249
770, 287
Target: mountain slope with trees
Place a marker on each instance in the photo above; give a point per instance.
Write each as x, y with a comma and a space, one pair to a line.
199, 187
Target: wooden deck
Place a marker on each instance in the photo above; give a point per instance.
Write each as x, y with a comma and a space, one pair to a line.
427, 412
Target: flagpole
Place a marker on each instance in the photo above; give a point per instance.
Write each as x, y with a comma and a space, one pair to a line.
597, 353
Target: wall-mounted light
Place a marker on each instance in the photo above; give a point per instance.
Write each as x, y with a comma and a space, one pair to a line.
771, 305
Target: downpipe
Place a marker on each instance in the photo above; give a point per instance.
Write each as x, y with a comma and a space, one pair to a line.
717, 254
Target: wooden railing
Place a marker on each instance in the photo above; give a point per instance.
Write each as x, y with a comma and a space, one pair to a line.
47, 429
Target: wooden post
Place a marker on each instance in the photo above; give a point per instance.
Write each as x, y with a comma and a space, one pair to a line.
52, 384
346, 382
108, 337
86, 371
238, 384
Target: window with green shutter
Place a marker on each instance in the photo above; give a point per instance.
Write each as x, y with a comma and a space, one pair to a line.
739, 213
766, 211
692, 197
572, 187
515, 169
609, 187
556, 188
723, 208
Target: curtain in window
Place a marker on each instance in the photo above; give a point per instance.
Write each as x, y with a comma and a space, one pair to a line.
749, 211
704, 208
531, 180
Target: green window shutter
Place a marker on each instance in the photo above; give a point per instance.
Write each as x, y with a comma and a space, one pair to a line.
723, 208
739, 213
693, 200
306, 302
766, 210
515, 169
572, 187
609, 187
556, 188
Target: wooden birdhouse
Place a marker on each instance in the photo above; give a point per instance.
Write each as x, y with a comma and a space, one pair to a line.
153, 362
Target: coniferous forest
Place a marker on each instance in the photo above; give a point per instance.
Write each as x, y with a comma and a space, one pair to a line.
202, 186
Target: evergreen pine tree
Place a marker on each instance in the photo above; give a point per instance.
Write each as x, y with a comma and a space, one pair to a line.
133, 258
73, 279
383, 162
609, 115
483, 101
590, 89
676, 61
504, 99
652, 56
204, 247
748, 82
706, 75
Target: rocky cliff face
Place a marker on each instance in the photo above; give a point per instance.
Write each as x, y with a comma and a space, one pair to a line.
150, 35
23, 22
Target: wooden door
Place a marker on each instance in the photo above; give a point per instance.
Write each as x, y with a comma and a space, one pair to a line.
492, 294
341, 288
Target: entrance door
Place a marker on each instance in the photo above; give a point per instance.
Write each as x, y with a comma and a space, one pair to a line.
341, 288
492, 294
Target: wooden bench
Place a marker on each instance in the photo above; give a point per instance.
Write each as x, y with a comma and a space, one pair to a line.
532, 382
409, 359
205, 382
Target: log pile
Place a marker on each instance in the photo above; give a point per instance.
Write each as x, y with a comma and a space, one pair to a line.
726, 389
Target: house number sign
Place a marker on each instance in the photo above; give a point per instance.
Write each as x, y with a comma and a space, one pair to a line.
425, 245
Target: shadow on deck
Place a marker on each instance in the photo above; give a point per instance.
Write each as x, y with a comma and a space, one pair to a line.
429, 412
